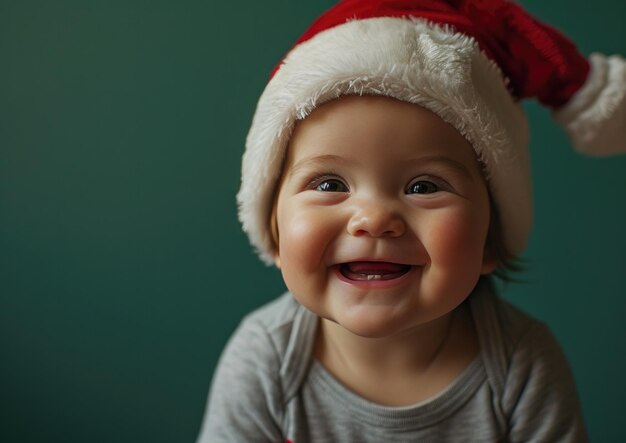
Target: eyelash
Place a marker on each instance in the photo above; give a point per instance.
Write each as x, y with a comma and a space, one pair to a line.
317, 180
440, 184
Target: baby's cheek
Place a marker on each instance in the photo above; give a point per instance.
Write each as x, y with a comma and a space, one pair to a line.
458, 239
303, 240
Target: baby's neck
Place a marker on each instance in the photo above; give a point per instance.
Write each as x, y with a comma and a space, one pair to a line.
403, 369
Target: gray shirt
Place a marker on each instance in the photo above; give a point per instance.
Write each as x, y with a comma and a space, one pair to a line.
268, 387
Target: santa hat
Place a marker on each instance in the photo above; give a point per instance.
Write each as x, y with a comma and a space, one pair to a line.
470, 62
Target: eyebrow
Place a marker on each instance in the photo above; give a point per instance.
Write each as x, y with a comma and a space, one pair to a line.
448, 162
324, 160
317, 161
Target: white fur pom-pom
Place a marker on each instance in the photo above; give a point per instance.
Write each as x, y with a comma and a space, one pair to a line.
595, 117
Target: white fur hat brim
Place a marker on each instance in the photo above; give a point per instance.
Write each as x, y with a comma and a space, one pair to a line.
595, 117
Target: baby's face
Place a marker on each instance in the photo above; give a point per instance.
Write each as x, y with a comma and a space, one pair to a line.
382, 215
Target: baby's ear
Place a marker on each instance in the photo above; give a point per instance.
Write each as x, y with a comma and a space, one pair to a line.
488, 266
274, 232
490, 261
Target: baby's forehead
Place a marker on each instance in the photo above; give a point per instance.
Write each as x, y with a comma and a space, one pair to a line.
353, 126
377, 131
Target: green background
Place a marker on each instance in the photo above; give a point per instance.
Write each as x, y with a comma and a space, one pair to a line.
123, 269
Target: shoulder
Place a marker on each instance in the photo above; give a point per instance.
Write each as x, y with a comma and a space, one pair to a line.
494, 315
275, 317
505, 331
262, 334
258, 370
275, 337
283, 328
529, 372
269, 323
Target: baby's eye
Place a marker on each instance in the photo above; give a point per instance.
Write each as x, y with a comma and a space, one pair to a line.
422, 187
331, 185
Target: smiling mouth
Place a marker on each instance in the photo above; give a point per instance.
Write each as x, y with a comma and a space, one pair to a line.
368, 270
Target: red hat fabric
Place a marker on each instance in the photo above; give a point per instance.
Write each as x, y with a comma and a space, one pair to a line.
506, 33
468, 61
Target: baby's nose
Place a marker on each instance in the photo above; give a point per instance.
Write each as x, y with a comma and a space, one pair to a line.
376, 219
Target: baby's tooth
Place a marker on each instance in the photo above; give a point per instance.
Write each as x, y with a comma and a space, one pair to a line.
373, 277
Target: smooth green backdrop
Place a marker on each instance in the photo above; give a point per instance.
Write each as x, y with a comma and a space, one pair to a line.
123, 269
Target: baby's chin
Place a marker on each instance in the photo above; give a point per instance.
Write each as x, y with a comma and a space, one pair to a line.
374, 322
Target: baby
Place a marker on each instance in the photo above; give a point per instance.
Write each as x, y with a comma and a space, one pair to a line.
386, 174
